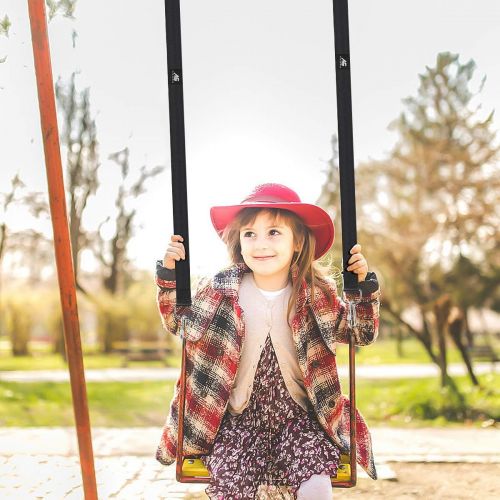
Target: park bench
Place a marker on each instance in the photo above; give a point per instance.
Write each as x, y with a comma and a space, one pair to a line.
485, 352
142, 351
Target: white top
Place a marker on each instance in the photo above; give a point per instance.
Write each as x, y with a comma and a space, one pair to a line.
271, 293
262, 316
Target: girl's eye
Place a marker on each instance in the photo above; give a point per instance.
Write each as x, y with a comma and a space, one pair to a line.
246, 233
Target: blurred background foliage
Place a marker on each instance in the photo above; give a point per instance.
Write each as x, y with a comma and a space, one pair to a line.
428, 214
428, 218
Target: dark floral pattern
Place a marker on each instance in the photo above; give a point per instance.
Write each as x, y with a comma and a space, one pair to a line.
274, 442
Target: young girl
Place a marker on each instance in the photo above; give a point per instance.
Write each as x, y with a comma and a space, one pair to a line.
263, 399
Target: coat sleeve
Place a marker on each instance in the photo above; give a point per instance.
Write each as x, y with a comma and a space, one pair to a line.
367, 311
170, 313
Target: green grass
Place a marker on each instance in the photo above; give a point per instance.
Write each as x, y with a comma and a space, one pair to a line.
412, 402
111, 404
42, 358
93, 361
381, 352
417, 402
386, 352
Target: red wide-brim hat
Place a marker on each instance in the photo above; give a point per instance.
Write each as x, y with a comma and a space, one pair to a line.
279, 196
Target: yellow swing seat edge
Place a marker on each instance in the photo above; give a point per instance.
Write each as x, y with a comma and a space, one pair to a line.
194, 467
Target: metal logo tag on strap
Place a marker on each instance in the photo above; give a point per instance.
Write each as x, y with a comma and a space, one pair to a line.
343, 61
175, 76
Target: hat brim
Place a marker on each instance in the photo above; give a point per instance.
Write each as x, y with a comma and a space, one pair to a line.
313, 216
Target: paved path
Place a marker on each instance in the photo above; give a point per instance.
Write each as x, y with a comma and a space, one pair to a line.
140, 374
390, 444
43, 463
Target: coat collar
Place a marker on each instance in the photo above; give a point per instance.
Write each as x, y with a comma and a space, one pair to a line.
228, 280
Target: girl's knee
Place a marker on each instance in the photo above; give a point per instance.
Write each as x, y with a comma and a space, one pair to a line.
317, 487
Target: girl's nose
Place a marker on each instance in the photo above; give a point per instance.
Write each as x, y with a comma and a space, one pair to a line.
261, 242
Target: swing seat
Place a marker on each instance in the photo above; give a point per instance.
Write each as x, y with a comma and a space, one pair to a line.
194, 468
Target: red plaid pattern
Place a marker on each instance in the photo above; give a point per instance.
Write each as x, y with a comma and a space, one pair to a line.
214, 329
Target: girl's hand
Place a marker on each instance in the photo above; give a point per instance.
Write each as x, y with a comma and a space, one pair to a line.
175, 251
358, 263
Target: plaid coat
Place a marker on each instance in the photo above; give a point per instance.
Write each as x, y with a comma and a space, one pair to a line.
213, 327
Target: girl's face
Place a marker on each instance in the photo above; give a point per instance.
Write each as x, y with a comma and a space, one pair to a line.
267, 248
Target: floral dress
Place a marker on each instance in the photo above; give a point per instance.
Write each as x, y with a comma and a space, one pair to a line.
273, 442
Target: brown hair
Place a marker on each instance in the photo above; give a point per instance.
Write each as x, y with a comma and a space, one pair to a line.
309, 269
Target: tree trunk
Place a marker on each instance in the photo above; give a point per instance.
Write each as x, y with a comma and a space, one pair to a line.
441, 312
59, 346
468, 333
399, 342
422, 337
427, 339
3, 239
455, 327
74, 232
111, 282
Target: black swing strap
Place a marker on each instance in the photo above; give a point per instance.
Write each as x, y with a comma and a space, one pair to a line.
346, 154
346, 169
178, 150
178, 146
347, 191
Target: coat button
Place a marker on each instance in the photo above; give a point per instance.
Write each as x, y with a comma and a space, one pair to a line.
203, 393
331, 403
315, 364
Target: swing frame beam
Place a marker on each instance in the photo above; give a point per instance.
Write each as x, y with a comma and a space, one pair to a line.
62, 245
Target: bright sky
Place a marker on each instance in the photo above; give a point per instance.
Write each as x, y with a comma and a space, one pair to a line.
259, 95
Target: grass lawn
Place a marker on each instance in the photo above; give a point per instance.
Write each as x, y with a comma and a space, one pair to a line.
422, 402
381, 352
111, 404
386, 352
42, 359
410, 402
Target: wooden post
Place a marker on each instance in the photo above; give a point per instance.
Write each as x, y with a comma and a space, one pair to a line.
66, 278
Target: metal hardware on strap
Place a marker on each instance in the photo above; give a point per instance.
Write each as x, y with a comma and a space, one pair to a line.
351, 314
351, 308
182, 329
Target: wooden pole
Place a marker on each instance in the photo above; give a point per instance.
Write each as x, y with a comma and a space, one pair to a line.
66, 278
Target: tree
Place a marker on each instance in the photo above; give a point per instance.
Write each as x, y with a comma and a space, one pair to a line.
31, 247
431, 203
8, 199
112, 253
23, 241
5, 25
64, 7
79, 136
